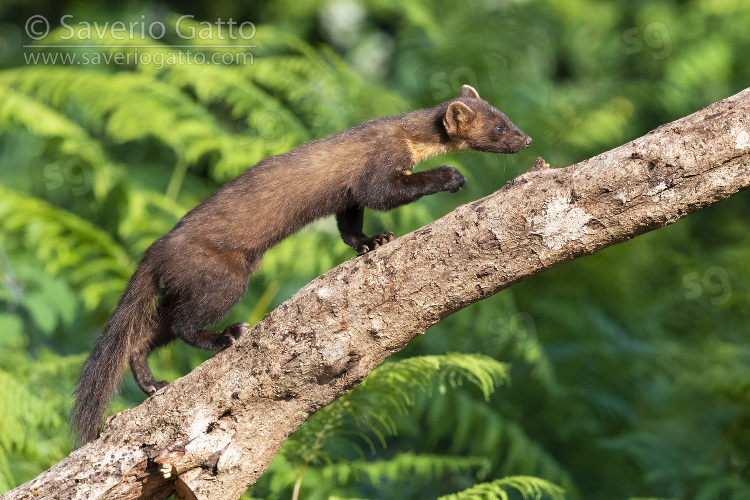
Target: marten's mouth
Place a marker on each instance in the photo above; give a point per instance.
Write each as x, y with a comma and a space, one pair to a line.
505, 147
513, 148
521, 145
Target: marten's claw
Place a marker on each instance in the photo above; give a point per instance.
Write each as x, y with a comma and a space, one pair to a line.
233, 332
376, 242
159, 384
382, 239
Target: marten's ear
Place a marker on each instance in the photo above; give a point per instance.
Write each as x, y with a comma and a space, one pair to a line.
457, 117
469, 91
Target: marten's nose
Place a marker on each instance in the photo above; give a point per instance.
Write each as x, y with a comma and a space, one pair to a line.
528, 141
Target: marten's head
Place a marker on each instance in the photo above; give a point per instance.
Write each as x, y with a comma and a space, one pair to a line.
473, 122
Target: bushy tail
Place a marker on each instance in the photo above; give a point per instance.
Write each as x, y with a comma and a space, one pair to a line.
134, 319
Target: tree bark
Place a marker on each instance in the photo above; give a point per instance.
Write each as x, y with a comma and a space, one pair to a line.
212, 433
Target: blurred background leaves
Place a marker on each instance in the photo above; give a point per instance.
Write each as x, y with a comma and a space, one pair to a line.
624, 374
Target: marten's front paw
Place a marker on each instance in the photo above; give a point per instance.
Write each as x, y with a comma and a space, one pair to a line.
453, 180
376, 241
232, 333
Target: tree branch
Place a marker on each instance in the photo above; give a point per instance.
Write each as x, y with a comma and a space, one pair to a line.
212, 433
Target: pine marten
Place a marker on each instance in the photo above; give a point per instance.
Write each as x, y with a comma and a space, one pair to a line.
193, 275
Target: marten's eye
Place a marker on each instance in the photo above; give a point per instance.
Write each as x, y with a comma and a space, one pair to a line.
499, 128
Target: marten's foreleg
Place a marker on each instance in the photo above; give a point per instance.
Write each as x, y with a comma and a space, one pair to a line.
406, 187
400, 189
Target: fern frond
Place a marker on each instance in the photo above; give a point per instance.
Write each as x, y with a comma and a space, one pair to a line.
529, 488
67, 139
86, 255
126, 107
451, 369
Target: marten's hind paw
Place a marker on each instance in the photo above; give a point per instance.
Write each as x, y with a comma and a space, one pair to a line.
158, 384
233, 332
376, 242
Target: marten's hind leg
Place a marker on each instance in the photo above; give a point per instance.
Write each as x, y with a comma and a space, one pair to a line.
190, 302
207, 339
174, 320
208, 299
139, 362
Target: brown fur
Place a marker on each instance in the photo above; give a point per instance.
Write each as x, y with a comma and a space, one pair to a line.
194, 274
